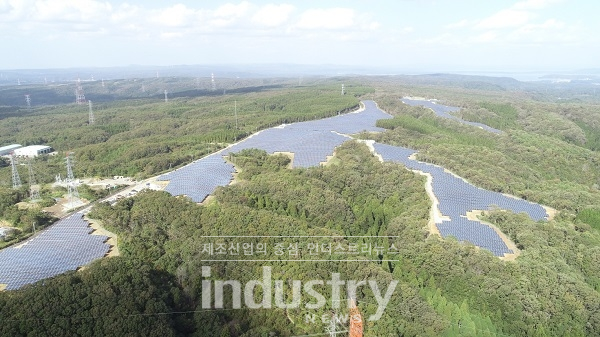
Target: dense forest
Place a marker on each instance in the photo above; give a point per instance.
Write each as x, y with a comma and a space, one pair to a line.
445, 287
139, 135
542, 155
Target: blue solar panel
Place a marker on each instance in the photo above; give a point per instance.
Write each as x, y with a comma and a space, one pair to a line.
64, 246
443, 111
457, 197
312, 141
67, 244
200, 178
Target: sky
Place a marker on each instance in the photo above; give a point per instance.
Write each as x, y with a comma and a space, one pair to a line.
410, 35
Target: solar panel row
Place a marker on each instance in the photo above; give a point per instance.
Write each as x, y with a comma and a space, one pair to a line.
67, 244
312, 141
200, 178
64, 246
457, 197
443, 111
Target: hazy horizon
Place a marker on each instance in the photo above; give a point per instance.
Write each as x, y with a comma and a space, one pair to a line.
45, 75
418, 36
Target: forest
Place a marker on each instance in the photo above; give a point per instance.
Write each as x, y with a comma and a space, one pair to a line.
137, 134
545, 154
143, 136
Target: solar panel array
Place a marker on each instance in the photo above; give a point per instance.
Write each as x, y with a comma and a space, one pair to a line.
200, 178
66, 245
457, 197
310, 147
311, 142
443, 111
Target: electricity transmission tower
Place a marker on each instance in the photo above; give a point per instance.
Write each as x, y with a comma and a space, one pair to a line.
236, 118
34, 188
28, 101
91, 118
79, 95
332, 329
71, 184
16, 180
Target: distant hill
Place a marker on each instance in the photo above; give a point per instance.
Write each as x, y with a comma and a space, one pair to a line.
470, 81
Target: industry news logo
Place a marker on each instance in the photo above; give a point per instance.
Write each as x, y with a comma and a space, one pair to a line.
267, 293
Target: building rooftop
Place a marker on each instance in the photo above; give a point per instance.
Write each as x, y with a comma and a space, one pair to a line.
33, 150
34, 147
10, 147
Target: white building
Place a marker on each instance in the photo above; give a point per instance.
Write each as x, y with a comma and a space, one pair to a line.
33, 150
6, 150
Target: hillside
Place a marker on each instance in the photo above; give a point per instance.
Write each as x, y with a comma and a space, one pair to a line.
547, 153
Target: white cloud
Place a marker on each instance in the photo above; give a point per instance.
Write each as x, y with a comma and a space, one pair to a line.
534, 4
550, 31
5, 7
330, 18
50, 18
227, 15
445, 39
505, 19
273, 15
13, 10
376, 25
547, 25
176, 16
170, 35
70, 10
521, 24
231, 10
490, 36
517, 15
126, 14
178, 21
459, 24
